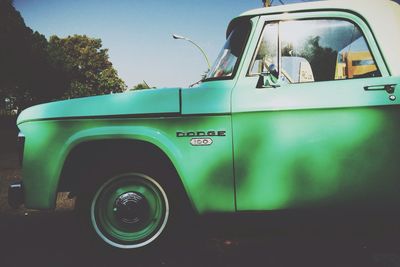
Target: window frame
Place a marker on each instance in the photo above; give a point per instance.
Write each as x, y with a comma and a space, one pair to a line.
242, 52
340, 15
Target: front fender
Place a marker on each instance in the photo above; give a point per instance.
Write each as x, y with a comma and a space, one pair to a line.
43, 164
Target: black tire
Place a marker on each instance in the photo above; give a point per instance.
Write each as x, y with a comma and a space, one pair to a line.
149, 208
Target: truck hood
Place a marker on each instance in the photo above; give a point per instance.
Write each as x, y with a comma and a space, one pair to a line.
150, 102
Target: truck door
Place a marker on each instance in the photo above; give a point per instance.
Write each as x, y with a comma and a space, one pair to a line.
322, 127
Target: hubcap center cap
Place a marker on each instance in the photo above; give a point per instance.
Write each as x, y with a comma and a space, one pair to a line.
132, 209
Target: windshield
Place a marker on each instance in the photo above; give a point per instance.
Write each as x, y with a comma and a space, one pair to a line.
226, 62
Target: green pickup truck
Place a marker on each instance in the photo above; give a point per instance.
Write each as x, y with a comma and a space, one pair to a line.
299, 111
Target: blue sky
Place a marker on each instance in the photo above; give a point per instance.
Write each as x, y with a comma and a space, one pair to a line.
138, 33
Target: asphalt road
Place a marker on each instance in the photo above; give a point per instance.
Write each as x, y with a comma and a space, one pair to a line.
55, 239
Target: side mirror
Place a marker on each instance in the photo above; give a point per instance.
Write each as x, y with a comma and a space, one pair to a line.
273, 71
269, 78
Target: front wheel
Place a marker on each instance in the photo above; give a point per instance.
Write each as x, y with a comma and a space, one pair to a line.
129, 210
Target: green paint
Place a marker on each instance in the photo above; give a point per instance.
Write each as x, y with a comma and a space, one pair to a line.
130, 102
293, 159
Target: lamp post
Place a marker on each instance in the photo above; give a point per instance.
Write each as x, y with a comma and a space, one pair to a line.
178, 37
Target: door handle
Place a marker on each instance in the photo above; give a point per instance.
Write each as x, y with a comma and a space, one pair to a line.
389, 88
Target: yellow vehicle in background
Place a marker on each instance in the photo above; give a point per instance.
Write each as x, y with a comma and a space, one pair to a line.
354, 61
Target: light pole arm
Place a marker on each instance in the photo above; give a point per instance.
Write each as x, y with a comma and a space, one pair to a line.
202, 51
178, 37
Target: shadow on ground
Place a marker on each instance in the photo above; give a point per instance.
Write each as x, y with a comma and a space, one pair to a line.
55, 239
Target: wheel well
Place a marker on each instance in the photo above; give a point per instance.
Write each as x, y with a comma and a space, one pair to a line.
103, 153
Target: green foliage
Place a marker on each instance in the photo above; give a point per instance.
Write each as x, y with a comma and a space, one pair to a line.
262, 51
87, 64
34, 70
322, 59
141, 86
17, 54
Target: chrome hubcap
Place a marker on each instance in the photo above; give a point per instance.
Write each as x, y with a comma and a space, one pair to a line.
131, 209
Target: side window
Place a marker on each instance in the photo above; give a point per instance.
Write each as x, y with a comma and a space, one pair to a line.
318, 50
267, 51
227, 59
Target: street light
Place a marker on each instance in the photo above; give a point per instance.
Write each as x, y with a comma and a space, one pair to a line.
178, 37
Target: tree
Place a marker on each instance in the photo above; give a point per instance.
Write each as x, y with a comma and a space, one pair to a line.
87, 64
322, 59
26, 73
34, 70
141, 86
15, 52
